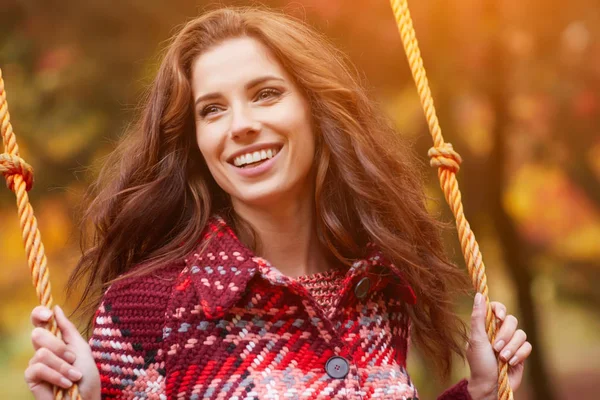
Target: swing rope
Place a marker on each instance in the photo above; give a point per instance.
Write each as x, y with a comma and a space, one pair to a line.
19, 179
447, 161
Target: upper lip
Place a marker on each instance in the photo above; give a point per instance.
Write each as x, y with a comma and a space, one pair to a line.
253, 148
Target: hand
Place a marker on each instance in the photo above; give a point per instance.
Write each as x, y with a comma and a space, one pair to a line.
60, 363
511, 343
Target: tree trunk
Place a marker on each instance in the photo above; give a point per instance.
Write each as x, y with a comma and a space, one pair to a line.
515, 251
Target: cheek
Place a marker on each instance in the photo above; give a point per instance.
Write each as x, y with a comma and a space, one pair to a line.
210, 154
208, 146
306, 136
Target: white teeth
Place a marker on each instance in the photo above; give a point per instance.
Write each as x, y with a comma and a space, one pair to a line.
256, 156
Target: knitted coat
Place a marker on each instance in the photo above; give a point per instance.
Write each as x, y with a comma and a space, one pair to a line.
225, 324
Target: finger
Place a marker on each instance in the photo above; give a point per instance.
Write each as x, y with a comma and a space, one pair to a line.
38, 373
499, 310
513, 345
40, 390
521, 354
51, 360
506, 332
42, 338
515, 376
40, 316
69, 331
478, 333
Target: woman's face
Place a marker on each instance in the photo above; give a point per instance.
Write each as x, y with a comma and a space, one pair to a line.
253, 125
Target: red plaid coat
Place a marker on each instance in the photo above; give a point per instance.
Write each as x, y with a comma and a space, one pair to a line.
224, 324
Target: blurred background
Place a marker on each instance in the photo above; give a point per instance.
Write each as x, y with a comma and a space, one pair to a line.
517, 88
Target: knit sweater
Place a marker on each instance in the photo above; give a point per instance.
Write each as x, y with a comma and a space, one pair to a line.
225, 324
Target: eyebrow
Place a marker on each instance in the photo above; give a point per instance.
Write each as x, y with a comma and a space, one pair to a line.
249, 85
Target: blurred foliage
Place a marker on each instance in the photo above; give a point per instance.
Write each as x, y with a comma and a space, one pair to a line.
527, 73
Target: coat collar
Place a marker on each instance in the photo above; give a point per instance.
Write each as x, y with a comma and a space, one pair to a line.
221, 267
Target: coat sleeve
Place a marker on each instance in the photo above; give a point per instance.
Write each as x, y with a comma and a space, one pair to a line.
457, 392
127, 336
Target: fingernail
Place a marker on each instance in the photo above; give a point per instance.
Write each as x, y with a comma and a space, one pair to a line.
46, 314
513, 360
74, 375
499, 345
478, 299
65, 382
70, 357
505, 355
501, 314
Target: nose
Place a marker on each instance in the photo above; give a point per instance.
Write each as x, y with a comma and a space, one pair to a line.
242, 122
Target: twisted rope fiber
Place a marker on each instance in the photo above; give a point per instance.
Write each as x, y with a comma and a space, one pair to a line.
19, 179
448, 161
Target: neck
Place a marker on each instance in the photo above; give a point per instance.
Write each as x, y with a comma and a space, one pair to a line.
287, 237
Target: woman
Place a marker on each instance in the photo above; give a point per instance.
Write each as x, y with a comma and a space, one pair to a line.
257, 142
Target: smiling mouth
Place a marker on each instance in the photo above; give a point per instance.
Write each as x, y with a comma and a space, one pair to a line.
256, 158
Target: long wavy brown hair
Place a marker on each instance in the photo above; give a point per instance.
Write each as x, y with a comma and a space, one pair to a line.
155, 194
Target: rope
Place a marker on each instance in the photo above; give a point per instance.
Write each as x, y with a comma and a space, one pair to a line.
448, 161
19, 179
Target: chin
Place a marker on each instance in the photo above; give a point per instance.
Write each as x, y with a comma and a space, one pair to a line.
259, 196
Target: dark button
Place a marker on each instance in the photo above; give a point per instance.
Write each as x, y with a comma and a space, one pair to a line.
362, 288
337, 367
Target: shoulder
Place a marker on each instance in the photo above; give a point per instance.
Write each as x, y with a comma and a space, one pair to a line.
127, 337
138, 300
151, 287
136, 303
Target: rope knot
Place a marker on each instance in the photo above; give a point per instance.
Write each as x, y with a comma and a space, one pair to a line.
14, 165
445, 156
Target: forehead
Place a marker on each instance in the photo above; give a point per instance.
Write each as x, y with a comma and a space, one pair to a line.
233, 62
